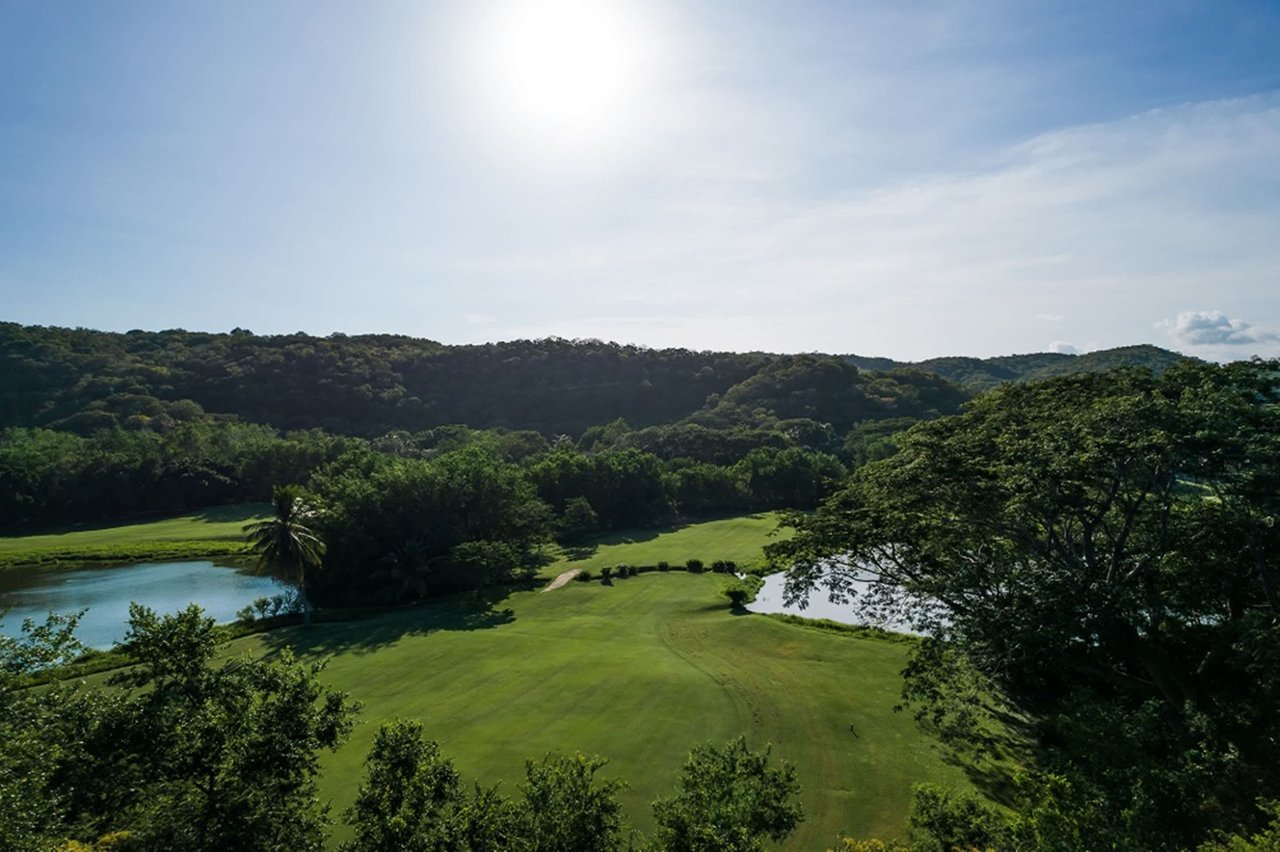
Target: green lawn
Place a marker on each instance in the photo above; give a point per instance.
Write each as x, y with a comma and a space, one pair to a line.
638, 672
209, 532
740, 539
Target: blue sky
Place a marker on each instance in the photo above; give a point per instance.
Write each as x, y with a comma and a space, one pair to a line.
908, 179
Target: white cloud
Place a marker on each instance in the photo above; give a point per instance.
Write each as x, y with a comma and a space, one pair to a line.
1214, 328
1112, 221
1064, 348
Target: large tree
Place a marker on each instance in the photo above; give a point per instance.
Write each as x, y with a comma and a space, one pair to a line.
285, 543
729, 800
1100, 550
181, 752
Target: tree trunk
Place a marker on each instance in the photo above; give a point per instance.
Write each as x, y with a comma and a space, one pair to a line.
306, 602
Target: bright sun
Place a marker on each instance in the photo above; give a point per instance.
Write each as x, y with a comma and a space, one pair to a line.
570, 71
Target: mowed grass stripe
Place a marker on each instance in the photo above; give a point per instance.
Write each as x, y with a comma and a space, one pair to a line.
740, 539
637, 672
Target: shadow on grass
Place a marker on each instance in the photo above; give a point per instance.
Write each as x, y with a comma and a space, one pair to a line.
586, 549
992, 772
238, 512
338, 632
213, 515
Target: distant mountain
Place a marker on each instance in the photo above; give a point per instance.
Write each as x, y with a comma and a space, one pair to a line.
80, 380
983, 373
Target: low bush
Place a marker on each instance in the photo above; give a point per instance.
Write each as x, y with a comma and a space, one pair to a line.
693, 566
664, 566
583, 576
724, 566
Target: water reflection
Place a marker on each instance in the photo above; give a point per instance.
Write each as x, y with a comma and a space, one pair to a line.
770, 599
107, 592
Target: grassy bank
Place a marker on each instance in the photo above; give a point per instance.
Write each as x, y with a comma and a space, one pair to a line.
210, 532
740, 539
638, 671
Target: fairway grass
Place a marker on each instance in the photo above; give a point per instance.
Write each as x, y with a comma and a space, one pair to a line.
637, 672
217, 531
740, 539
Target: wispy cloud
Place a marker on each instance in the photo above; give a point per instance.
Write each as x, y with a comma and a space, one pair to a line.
1093, 228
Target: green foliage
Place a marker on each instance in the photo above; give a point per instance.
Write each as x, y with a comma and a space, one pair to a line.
663, 565
54, 478
403, 804
358, 385
793, 478
729, 799
624, 488
1266, 840
577, 520
738, 595
827, 390
400, 528
724, 566
693, 566
184, 754
943, 820
567, 808
30, 732
286, 544
1098, 552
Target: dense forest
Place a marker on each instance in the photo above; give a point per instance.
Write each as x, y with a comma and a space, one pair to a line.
82, 381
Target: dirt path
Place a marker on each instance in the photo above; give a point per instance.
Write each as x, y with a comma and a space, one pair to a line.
561, 580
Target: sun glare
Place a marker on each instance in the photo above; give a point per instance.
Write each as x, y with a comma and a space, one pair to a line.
569, 71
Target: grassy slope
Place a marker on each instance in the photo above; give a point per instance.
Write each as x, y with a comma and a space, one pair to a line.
740, 539
209, 532
638, 672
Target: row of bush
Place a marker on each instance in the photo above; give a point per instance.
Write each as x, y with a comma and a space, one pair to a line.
693, 566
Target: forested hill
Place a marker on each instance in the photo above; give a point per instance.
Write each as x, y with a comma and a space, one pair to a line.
81, 381
984, 373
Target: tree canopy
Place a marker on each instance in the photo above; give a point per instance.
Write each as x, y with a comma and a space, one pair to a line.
1099, 549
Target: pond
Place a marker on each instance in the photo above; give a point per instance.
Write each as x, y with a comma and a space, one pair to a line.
770, 600
106, 593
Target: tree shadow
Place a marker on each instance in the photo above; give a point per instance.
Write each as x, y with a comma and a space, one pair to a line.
339, 632
993, 771
579, 552
238, 512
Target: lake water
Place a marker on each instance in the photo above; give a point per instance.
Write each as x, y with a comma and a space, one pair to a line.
106, 593
770, 599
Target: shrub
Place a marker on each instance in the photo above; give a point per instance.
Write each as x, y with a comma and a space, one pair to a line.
664, 566
737, 596
285, 603
605, 573
694, 566
623, 571
583, 576
723, 566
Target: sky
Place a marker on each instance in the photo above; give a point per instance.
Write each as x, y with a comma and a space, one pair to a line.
902, 179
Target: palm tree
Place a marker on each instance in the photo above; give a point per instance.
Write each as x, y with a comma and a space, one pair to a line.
285, 545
